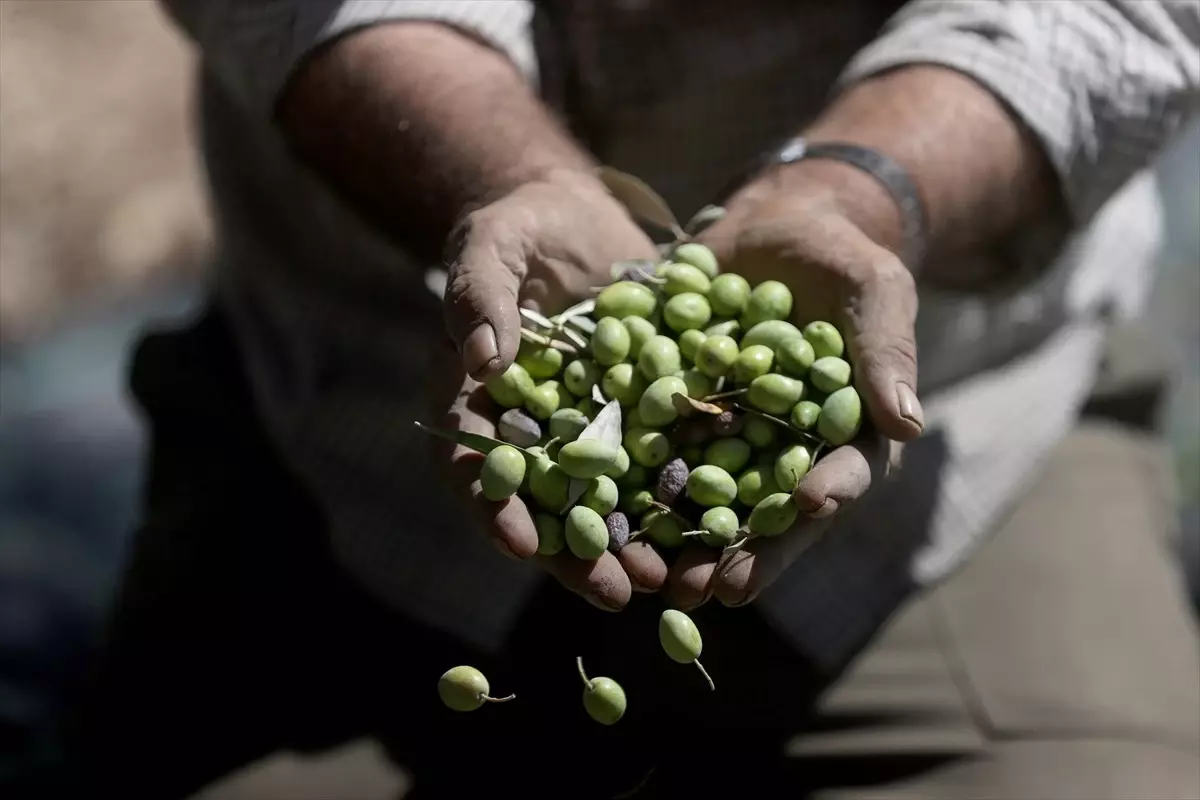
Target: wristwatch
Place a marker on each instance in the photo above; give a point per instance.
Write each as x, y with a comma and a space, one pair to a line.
892, 176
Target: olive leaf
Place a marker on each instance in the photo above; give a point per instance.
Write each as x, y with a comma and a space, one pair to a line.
584, 324
606, 427
686, 406
723, 395
575, 491
642, 201
546, 341
536, 318
703, 218
597, 395
476, 441
575, 338
578, 310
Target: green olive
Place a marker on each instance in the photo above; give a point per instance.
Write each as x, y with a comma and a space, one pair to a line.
825, 339
601, 495
548, 484
698, 256
711, 486
724, 327
773, 515
580, 376
603, 698
692, 455
656, 406
659, 357
829, 374
682, 278
795, 356
687, 311
635, 477
567, 423
509, 388
623, 383
775, 393
641, 330
624, 299
633, 419
772, 333
620, 467
698, 384
540, 362
551, 539
730, 454
805, 414
610, 342
753, 362
768, 300
792, 465
639, 502
717, 356
502, 472
757, 483
647, 446
690, 341
465, 689
586, 533
841, 416
586, 458
679, 636
663, 528
720, 526
759, 432
729, 295
544, 399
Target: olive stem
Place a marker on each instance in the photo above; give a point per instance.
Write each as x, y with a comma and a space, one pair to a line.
537, 338
704, 672
582, 674
499, 699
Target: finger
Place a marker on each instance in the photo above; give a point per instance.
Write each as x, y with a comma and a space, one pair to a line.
690, 581
842, 476
645, 567
602, 582
883, 349
741, 575
482, 288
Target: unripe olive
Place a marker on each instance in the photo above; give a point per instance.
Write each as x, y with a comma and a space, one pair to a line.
716, 356
768, 300
624, 299
711, 486
659, 357
724, 327
792, 465
540, 362
463, 688
509, 388
641, 330
757, 483
620, 467
633, 419
829, 374
841, 416
567, 423
805, 414
720, 526
772, 333
729, 454
825, 339
623, 383
610, 342
692, 455
635, 477
773, 515
647, 446
795, 356
586, 533
663, 528
679, 636
587, 407
729, 295
586, 458
687, 311
698, 384
759, 432
502, 472
603, 698
515, 426
698, 256
682, 278
775, 393
601, 495
656, 406
551, 538
544, 399
639, 502
548, 484
690, 341
753, 362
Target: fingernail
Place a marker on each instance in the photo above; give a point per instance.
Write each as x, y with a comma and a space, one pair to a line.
806, 503
910, 406
503, 547
827, 509
480, 349
600, 604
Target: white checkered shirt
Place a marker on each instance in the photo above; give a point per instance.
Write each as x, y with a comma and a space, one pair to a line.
335, 322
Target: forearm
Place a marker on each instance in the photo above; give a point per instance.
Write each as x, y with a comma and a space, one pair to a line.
417, 124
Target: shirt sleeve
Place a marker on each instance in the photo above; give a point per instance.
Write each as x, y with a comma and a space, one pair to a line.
254, 46
1102, 84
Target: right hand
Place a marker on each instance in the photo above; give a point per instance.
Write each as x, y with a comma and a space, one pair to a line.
541, 246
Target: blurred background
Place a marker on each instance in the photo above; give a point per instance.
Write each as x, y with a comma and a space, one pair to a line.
103, 228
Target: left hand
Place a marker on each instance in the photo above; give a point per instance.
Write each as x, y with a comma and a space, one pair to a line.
817, 246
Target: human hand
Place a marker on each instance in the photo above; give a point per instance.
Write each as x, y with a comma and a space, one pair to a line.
814, 243
541, 246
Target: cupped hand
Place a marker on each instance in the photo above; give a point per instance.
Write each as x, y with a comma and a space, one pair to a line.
541, 246
836, 273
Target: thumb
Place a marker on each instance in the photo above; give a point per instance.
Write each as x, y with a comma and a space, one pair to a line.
480, 304
883, 349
